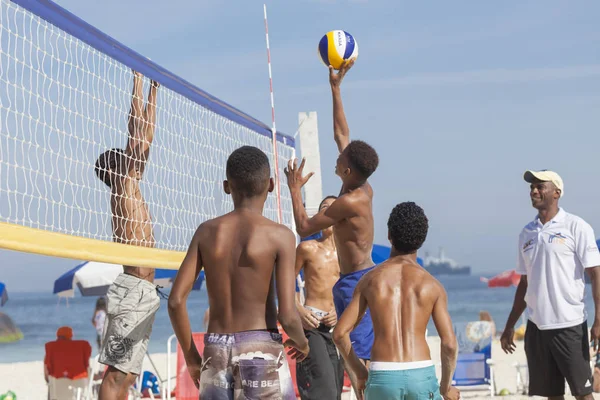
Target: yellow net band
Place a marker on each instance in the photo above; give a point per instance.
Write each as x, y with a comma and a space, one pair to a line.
37, 241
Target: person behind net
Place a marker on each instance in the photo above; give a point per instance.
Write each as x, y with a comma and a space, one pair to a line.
132, 300
242, 253
402, 296
351, 214
321, 375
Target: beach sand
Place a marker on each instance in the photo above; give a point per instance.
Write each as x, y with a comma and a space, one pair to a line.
26, 379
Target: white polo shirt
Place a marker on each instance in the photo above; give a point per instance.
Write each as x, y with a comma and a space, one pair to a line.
554, 257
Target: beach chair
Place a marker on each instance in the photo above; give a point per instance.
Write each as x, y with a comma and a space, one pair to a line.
66, 389
522, 378
475, 367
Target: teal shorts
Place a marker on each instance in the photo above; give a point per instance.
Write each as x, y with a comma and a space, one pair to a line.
408, 384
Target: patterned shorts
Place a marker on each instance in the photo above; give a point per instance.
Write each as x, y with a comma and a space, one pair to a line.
245, 365
131, 307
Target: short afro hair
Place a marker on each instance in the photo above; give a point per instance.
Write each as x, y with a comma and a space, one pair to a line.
108, 161
325, 199
249, 171
407, 227
362, 157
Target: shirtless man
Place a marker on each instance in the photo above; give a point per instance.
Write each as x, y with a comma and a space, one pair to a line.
132, 298
351, 214
241, 253
321, 375
401, 296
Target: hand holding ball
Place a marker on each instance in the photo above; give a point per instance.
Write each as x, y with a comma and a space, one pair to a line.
336, 47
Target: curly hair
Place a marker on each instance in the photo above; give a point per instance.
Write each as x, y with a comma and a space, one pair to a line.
325, 199
108, 161
362, 157
408, 227
248, 169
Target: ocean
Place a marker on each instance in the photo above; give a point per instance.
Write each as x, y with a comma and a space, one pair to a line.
38, 315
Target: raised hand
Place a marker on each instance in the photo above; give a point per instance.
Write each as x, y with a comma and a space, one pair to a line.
335, 79
294, 176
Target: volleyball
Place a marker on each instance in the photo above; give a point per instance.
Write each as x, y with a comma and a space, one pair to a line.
337, 46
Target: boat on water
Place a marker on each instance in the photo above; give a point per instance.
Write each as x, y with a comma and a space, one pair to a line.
442, 265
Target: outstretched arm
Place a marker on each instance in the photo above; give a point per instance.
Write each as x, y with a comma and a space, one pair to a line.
184, 281
286, 293
341, 132
141, 126
449, 346
349, 319
340, 209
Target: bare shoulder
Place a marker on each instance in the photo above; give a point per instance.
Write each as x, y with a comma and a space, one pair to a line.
308, 246
371, 279
280, 234
206, 229
434, 287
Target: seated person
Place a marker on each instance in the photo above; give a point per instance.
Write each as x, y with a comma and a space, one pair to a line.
486, 316
66, 360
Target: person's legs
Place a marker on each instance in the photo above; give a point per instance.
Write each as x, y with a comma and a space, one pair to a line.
545, 378
316, 376
217, 380
115, 384
338, 368
131, 308
570, 349
389, 385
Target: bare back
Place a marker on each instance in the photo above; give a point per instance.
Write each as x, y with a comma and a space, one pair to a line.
131, 220
321, 272
239, 251
401, 298
354, 235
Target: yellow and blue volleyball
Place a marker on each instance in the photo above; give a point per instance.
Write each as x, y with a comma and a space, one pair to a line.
337, 46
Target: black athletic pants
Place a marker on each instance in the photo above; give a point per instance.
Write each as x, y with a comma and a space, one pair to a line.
321, 375
555, 355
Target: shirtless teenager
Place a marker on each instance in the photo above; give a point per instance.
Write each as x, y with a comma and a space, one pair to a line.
242, 252
132, 298
351, 214
321, 375
402, 297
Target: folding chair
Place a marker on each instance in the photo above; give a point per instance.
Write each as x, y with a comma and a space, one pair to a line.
474, 368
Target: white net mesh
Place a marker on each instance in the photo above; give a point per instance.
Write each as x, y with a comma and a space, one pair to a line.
63, 103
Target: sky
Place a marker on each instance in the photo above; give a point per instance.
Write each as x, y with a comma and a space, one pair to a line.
458, 98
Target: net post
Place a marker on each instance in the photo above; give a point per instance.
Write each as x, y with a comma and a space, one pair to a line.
274, 128
309, 147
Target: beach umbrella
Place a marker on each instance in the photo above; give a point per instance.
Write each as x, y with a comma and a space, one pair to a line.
505, 279
3, 294
8, 330
93, 279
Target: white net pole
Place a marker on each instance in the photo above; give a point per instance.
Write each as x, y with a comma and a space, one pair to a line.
274, 129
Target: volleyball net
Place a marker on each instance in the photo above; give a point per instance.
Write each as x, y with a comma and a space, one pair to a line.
65, 97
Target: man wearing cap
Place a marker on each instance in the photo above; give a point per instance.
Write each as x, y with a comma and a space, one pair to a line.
554, 251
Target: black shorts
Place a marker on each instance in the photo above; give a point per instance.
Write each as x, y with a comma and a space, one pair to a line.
555, 355
321, 375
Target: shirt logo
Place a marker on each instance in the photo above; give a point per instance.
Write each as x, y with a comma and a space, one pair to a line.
528, 245
557, 238
592, 248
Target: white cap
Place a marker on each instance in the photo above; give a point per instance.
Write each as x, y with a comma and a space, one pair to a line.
545, 176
